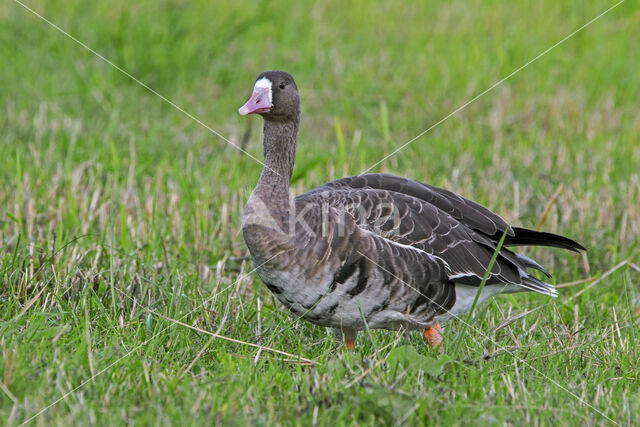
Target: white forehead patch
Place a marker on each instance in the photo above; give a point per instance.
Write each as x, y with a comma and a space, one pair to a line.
264, 83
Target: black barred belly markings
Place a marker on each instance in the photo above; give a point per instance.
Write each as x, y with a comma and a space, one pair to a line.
335, 300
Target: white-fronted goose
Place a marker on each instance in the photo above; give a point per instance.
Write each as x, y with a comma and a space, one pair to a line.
377, 247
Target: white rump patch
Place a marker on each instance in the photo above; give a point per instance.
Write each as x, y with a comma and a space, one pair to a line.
465, 294
264, 83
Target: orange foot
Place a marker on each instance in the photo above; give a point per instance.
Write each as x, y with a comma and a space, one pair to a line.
433, 335
350, 344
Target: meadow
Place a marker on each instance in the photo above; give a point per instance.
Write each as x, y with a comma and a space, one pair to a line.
126, 291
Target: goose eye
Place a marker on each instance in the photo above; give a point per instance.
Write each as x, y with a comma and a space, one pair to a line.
282, 85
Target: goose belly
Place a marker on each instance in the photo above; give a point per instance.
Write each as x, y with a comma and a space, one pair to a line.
304, 297
322, 301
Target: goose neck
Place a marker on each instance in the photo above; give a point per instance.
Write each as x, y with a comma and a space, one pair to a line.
279, 157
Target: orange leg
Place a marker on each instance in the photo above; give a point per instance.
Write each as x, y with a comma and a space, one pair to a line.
433, 335
347, 336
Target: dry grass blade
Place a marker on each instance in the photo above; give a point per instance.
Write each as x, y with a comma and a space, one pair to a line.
8, 393
32, 301
547, 208
599, 279
293, 361
199, 355
222, 337
512, 319
575, 282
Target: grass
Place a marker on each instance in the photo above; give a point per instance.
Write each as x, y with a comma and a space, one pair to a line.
119, 215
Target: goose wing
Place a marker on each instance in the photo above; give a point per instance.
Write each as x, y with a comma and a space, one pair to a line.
446, 226
473, 215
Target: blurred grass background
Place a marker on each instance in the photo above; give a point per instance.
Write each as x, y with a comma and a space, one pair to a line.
96, 171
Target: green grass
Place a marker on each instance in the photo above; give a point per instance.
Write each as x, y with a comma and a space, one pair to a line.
96, 173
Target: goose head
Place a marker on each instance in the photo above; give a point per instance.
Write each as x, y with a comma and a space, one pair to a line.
275, 97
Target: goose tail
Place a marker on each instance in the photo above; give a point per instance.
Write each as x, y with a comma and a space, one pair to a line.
527, 237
